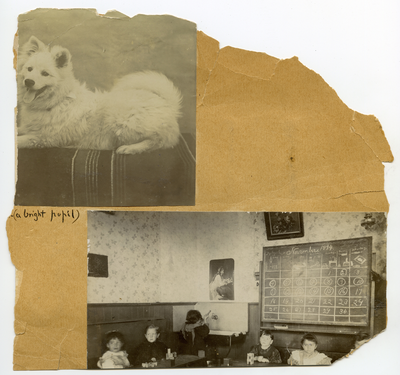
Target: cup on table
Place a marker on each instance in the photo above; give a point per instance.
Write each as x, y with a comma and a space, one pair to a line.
250, 358
169, 354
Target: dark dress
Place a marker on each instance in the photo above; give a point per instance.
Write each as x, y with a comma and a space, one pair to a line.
148, 350
271, 353
192, 346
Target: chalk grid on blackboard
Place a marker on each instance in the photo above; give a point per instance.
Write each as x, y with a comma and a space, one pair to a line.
318, 283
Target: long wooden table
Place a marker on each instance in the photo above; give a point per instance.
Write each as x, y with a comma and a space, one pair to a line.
181, 361
243, 363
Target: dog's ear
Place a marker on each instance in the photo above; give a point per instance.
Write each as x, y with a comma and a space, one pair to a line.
34, 45
61, 56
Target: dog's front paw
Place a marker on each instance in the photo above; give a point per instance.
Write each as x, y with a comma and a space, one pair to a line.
28, 141
127, 150
137, 148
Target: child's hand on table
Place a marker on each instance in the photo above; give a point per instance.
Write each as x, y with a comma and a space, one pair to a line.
262, 359
118, 361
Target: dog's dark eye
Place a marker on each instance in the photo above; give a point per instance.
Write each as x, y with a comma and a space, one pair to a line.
45, 74
30, 69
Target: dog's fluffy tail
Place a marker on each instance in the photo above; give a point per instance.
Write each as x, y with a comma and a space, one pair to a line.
155, 82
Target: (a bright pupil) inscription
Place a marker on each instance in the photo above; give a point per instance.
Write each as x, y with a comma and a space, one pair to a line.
321, 283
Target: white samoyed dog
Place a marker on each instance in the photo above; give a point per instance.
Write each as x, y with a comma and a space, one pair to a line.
139, 114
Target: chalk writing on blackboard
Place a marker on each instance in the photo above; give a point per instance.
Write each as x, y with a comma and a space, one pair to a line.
318, 283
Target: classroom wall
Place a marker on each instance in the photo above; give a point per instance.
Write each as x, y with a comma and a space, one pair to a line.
132, 243
164, 256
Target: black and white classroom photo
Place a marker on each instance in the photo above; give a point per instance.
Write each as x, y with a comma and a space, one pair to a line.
106, 109
213, 289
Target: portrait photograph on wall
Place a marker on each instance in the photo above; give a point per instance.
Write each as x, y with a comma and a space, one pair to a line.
186, 288
106, 109
221, 279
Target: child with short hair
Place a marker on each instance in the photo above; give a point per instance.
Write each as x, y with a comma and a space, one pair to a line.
264, 351
151, 350
309, 355
194, 332
114, 357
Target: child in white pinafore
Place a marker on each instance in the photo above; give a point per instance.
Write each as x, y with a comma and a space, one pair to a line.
114, 357
309, 355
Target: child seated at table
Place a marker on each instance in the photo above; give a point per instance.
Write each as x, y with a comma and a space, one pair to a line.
151, 350
264, 351
194, 332
114, 357
309, 355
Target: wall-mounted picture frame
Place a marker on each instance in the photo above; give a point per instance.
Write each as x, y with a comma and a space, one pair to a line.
97, 265
284, 225
221, 280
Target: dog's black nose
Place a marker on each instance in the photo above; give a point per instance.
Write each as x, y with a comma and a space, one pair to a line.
29, 83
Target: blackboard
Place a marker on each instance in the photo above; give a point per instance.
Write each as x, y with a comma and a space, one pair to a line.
317, 283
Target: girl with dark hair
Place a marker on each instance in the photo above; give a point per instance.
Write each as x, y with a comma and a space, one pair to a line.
264, 351
309, 355
114, 357
194, 332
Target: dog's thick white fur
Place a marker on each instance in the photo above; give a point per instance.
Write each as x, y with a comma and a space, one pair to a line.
55, 110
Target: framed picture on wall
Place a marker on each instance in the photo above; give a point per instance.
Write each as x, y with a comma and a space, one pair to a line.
97, 265
221, 280
284, 225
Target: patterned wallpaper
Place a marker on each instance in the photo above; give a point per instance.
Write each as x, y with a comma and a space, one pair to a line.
131, 242
164, 256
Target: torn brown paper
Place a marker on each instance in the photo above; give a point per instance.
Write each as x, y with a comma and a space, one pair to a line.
271, 136
280, 138
48, 251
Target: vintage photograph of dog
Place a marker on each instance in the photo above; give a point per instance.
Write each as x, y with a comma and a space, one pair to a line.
106, 109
